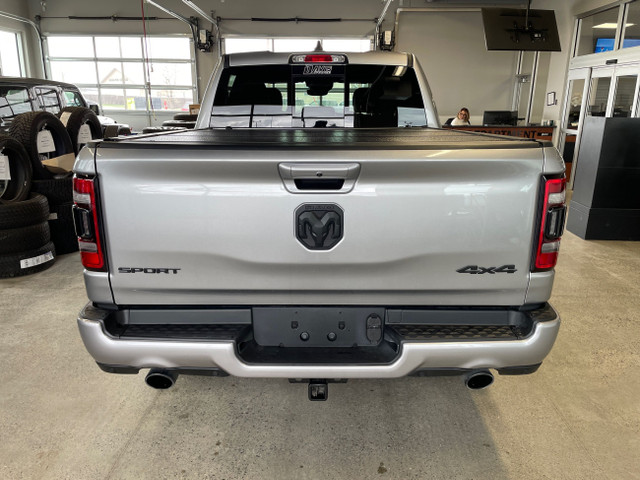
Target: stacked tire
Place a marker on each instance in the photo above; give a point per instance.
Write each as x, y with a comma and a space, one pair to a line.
36, 216
59, 193
82, 125
25, 239
15, 170
27, 129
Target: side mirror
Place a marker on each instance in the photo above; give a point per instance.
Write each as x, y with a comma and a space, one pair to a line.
95, 108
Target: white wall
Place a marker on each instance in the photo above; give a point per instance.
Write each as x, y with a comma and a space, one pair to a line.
579, 7
461, 72
559, 61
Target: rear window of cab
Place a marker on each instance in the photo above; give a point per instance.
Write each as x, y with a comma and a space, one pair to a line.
318, 96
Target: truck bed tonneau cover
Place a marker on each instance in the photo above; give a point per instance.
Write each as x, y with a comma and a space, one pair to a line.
327, 138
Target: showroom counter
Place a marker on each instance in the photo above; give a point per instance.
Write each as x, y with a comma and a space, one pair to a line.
538, 133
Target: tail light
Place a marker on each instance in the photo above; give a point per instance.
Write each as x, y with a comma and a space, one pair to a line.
551, 223
85, 216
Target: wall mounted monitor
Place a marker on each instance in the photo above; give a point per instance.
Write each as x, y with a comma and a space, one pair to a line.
517, 29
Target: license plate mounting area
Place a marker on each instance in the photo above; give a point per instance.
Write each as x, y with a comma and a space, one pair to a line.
318, 326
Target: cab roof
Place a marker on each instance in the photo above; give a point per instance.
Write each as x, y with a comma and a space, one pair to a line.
34, 82
278, 58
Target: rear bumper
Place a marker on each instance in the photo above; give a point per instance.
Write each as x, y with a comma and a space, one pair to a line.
120, 353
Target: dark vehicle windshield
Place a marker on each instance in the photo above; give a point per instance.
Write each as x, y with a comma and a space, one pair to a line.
318, 95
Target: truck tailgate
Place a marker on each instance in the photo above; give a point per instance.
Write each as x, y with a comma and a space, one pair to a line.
428, 222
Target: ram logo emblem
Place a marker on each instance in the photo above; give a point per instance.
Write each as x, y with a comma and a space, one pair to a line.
319, 226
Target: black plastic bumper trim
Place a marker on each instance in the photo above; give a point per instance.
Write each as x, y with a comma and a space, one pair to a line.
208, 372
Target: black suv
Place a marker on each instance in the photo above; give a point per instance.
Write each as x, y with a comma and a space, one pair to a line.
20, 95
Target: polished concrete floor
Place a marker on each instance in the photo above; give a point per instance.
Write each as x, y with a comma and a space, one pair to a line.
578, 417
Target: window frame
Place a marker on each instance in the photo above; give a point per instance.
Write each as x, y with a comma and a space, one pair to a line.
148, 87
618, 37
580, 23
624, 25
19, 51
43, 92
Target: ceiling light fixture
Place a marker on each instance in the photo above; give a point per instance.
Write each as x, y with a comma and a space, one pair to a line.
612, 26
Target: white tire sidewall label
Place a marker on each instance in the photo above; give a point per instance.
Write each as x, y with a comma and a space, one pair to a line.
5, 171
45, 142
35, 261
84, 134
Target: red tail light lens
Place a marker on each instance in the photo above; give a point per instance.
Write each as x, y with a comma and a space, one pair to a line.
86, 221
319, 58
551, 223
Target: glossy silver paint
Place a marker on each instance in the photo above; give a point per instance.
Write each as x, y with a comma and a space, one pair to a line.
174, 354
222, 222
412, 219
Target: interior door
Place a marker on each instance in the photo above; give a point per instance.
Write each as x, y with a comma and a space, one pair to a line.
600, 92
572, 116
625, 91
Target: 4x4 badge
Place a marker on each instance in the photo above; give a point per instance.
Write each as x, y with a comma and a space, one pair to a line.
319, 226
476, 270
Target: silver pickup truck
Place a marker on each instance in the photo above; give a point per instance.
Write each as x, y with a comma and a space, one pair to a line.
319, 226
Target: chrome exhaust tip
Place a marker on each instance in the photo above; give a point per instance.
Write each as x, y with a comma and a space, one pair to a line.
161, 379
478, 380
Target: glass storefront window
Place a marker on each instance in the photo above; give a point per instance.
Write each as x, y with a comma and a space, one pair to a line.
631, 35
576, 87
624, 96
598, 96
597, 32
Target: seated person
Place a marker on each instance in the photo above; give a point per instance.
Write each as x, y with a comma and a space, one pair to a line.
461, 119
